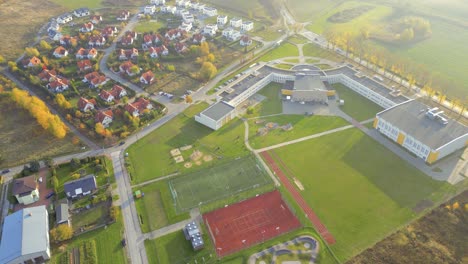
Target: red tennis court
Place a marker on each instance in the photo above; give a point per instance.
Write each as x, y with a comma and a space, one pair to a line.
249, 222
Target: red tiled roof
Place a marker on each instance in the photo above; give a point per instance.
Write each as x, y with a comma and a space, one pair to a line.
83, 64
24, 185
105, 94
101, 115
47, 74
116, 90
83, 102
148, 76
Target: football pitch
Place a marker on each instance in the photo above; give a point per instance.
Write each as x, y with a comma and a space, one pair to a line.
201, 187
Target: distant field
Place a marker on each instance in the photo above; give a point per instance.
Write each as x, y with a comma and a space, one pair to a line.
302, 126
23, 139
148, 26
306, 10
356, 106
72, 4
284, 50
359, 189
245, 7
150, 157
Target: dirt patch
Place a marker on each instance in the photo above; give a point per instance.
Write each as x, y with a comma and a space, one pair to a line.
349, 14
184, 148
439, 237
207, 158
299, 184
422, 205
179, 159
196, 155
188, 165
20, 21
198, 163
175, 152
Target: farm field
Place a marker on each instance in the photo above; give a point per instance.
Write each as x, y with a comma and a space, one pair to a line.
377, 191
150, 157
107, 244
302, 126
23, 139
356, 106
245, 7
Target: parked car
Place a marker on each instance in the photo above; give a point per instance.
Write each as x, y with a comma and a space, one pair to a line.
5, 171
48, 196
123, 242
121, 143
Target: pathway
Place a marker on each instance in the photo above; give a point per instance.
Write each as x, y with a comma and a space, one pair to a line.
155, 180
194, 216
301, 53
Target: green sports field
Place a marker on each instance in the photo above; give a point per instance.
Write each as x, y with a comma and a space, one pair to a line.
209, 185
360, 190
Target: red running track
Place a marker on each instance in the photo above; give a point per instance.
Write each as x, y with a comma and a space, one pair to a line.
323, 231
249, 222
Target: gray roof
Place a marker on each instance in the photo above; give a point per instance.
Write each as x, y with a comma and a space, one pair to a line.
62, 213
86, 184
310, 95
24, 232
411, 118
218, 110
307, 83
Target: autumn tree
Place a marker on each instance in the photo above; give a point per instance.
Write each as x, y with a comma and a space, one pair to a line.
207, 71
114, 212
204, 48
61, 233
62, 101
44, 45
31, 52
55, 183
2, 59
134, 69
188, 99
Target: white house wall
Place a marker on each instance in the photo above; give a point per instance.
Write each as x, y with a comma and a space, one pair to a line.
452, 146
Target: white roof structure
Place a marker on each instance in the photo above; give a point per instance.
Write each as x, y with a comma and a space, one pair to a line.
25, 232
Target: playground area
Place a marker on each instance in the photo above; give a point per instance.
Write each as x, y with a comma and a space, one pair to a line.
249, 222
201, 187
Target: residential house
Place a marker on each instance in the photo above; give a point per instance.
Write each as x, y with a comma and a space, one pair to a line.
86, 53
87, 27
84, 65
96, 41
198, 7
235, 22
247, 26
180, 47
147, 77
210, 11
128, 54
138, 107
53, 26
106, 96
90, 76
128, 38
184, 3
96, 19
158, 2
65, 18
183, 13
234, 35
150, 40
94, 79
54, 35
109, 31
198, 38
149, 9
123, 15
104, 117
26, 190
85, 105
80, 187
81, 12
60, 52
127, 67
210, 30
58, 85
47, 75
118, 91
32, 62
25, 236
245, 41
156, 52
188, 19
68, 41
227, 32
185, 26
168, 9
221, 20
62, 216
175, 33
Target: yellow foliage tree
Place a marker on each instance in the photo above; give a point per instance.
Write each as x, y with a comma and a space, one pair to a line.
455, 206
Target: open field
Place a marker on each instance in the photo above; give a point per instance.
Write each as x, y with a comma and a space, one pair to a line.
302, 126
377, 191
298, 39
284, 50
305, 10
201, 187
312, 50
148, 26
438, 238
71, 5
23, 139
20, 22
108, 247
356, 106
91, 216
175, 249
248, 8
272, 103
150, 157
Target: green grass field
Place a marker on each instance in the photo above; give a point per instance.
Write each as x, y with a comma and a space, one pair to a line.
108, 247
23, 139
306, 10
271, 104
202, 187
148, 26
298, 39
71, 5
302, 126
150, 157
359, 189
356, 106
89, 217
312, 50
284, 50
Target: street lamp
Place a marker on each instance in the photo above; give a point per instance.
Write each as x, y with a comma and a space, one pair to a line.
263, 236
219, 251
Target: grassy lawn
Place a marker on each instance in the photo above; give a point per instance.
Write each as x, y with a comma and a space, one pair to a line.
356, 106
359, 189
312, 50
302, 126
284, 50
175, 249
90, 216
109, 249
305, 10
272, 103
148, 26
70, 5
156, 209
298, 39
283, 66
23, 139
150, 157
